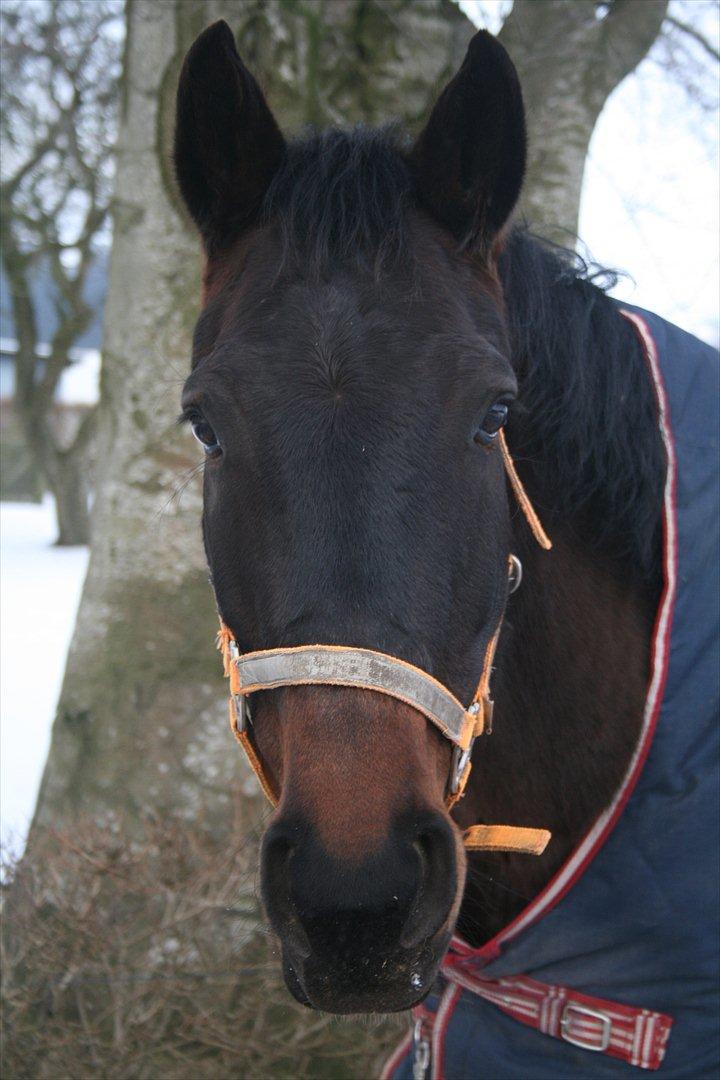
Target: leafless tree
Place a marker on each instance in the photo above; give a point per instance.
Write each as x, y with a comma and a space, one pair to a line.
60, 80
571, 55
689, 49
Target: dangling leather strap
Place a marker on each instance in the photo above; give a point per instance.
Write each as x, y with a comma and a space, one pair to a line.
506, 838
522, 496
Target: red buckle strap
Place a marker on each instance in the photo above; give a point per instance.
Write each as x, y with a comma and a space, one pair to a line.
637, 1036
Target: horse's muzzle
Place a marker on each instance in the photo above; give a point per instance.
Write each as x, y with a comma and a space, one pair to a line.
362, 935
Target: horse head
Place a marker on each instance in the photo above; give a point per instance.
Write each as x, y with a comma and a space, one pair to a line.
351, 374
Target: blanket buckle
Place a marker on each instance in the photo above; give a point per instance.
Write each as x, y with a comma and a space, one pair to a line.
598, 1042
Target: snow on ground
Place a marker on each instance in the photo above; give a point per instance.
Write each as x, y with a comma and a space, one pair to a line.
40, 589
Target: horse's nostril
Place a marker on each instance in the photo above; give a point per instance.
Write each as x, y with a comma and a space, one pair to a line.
436, 853
342, 912
277, 851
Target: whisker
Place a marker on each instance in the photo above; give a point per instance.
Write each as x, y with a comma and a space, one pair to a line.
180, 488
476, 874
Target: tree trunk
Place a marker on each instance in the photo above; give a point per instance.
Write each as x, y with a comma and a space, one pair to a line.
60, 463
570, 60
67, 477
141, 726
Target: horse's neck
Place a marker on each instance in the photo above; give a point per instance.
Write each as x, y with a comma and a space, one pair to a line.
570, 689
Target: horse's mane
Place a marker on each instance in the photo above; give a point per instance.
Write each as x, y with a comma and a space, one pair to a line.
591, 408
343, 196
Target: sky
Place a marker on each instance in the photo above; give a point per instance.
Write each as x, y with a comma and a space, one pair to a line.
651, 194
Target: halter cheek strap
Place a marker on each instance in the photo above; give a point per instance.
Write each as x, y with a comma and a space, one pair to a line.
522, 496
338, 665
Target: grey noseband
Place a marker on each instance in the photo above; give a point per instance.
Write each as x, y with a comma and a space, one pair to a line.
364, 668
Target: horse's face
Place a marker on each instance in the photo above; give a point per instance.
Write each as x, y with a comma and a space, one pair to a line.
353, 495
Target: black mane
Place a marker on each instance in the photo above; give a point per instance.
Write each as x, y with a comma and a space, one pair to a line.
342, 196
586, 408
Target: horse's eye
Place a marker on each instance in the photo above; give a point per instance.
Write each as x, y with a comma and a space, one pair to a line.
206, 436
494, 419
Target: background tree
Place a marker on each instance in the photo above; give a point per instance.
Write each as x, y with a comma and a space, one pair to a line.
59, 109
689, 48
570, 57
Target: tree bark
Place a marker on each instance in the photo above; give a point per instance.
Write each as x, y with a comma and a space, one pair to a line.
63, 464
68, 481
570, 60
141, 726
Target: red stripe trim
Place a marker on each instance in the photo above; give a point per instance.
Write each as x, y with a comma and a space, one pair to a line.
446, 1008
578, 862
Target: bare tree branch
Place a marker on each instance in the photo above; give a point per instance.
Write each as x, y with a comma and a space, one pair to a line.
626, 34
60, 98
695, 34
570, 56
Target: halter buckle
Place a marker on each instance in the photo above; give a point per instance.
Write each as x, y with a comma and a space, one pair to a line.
488, 711
241, 706
486, 705
241, 709
460, 760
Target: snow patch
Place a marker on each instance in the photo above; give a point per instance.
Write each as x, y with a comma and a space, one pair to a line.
40, 586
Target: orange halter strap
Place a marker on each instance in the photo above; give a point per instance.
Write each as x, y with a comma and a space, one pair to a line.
337, 665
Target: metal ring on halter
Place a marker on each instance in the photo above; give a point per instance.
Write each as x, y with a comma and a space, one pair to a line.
459, 764
515, 574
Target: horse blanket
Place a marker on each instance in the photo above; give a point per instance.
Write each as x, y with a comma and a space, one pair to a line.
614, 966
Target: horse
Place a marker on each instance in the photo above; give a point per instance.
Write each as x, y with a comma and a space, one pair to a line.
380, 350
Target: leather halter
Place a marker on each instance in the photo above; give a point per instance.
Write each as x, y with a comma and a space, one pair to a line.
339, 665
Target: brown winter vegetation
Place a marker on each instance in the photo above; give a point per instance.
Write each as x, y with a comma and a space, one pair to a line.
149, 958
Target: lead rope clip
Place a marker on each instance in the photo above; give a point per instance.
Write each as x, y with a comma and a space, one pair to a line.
421, 1052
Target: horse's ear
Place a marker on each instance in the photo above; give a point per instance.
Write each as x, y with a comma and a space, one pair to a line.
227, 143
469, 161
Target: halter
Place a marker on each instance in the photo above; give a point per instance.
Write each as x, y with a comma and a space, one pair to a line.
366, 669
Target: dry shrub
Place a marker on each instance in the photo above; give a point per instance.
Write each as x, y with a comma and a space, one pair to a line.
149, 958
